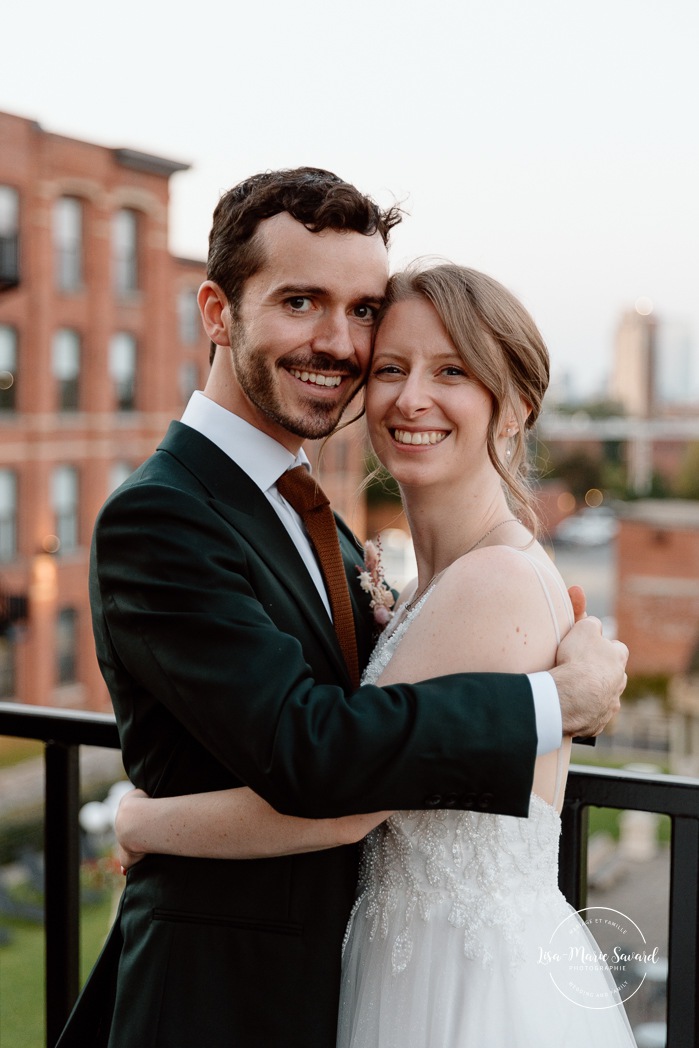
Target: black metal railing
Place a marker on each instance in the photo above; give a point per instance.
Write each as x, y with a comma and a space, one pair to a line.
663, 795
63, 732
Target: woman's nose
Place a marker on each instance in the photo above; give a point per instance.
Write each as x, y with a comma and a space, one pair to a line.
413, 397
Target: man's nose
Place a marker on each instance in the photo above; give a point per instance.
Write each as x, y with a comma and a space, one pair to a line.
333, 336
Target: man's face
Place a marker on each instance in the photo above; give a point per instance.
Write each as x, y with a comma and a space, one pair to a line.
301, 339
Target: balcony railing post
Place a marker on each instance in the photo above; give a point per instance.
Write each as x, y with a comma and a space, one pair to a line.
62, 885
683, 951
572, 861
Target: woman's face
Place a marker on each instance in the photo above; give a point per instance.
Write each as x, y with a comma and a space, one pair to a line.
427, 416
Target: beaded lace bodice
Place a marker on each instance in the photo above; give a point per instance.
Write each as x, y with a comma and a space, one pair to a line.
476, 870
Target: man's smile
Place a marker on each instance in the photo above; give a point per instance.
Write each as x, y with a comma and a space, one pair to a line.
316, 379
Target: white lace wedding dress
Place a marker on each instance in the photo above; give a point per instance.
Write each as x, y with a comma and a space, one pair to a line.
454, 909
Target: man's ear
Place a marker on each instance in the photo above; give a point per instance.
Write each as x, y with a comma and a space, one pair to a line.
215, 312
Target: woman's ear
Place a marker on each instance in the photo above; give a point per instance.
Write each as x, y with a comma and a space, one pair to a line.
511, 421
215, 312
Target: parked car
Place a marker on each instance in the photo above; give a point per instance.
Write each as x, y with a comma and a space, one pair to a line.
589, 527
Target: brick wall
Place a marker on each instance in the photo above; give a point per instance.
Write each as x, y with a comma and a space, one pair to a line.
658, 586
95, 437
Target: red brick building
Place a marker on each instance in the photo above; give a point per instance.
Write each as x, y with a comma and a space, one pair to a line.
658, 585
100, 347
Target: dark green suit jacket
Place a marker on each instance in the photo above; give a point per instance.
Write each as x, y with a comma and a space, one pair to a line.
224, 669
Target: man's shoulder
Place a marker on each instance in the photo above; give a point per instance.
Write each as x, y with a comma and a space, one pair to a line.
184, 460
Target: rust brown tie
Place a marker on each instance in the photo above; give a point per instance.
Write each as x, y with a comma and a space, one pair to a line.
302, 492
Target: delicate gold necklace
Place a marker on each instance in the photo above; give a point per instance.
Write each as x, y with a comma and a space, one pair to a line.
410, 604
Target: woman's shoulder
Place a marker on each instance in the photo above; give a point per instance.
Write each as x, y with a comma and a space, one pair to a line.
510, 581
502, 562
486, 612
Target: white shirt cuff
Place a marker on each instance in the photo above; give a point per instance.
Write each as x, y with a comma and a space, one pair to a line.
547, 710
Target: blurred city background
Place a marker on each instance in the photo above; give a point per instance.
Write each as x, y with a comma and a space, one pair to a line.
556, 151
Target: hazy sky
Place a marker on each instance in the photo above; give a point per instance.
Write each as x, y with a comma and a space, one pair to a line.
553, 145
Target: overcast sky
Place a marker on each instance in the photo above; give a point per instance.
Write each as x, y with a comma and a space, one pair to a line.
553, 145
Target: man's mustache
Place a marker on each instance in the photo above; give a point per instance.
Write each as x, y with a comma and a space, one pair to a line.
320, 362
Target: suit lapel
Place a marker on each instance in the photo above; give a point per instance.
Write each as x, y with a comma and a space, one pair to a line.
239, 501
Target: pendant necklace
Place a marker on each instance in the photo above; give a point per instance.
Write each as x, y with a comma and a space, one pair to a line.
410, 604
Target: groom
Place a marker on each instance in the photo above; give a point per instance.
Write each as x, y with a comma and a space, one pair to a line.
214, 633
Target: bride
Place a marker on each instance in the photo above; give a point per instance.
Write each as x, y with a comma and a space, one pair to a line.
454, 907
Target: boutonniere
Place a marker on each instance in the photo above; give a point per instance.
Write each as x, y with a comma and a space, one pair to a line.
373, 582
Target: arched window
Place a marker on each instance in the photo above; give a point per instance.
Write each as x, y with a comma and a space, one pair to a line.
8, 367
125, 251
122, 368
8, 514
67, 646
64, 500
68, 243
66, 368
9, 237
118, 472
189, 318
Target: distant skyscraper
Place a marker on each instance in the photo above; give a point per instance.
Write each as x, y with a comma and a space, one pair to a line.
634, 382
653, 363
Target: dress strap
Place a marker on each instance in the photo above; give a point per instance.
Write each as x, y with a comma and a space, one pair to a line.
559, 784
539, 570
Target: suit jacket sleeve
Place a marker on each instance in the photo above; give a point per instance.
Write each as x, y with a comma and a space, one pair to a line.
189, 650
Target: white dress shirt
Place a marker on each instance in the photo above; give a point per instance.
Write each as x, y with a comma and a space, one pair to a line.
264, 460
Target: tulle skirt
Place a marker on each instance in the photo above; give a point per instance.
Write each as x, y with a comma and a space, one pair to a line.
504, 994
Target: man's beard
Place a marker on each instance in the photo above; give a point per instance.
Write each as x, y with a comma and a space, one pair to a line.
256, 376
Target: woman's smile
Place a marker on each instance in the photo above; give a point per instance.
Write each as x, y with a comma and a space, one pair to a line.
418, 437
428, 417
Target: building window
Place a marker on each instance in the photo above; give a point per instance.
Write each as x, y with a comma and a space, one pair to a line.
8, 685
66, 368
189, 379
66, 646
68, 243
122, 368
8, 514
64, 499
118, 473
188, 314
8, 367
9, 237
125, 251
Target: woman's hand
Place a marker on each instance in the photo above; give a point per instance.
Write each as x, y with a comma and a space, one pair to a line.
225, 824
127, 813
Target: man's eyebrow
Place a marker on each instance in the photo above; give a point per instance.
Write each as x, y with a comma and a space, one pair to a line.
300, 289
288, 290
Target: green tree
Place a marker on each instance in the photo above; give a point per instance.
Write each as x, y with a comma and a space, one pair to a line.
687, 484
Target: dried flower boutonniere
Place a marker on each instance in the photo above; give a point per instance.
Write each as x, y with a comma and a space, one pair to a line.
373, 582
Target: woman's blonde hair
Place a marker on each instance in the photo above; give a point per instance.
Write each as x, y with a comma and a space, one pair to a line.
500, 346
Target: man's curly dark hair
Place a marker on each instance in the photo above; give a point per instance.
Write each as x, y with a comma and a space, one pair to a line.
317, 198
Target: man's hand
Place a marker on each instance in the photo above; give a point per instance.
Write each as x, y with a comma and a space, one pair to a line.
590, 675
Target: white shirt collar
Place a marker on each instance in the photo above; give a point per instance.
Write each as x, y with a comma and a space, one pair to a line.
259, 455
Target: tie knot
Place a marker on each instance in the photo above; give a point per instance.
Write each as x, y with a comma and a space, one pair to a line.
301, 491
